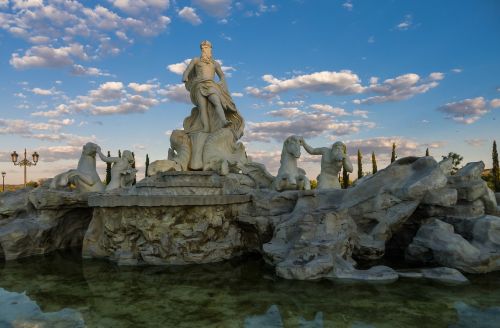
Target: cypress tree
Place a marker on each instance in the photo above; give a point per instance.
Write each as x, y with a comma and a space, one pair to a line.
119, 153
360, 165
427, 152
108, 170
496, 169
133, 166
374, 163
345, 179
393, 154
147, 166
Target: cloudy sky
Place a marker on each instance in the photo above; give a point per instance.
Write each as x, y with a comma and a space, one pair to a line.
421, 73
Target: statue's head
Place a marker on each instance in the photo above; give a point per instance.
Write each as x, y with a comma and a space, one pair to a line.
127, 154
292, 146
90, 149
206, 51
338, 150
205, 44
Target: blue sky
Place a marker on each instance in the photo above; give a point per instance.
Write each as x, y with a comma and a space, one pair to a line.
423, 74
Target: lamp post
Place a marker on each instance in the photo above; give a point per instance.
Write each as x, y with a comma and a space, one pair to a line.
3, 181
24, 162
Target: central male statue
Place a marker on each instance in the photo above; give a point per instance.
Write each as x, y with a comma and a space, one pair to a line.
215, 108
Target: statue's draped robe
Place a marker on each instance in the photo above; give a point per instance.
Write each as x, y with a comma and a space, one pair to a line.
206, 88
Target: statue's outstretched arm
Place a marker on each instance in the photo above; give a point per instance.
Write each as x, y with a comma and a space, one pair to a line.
189, 68
311, 150
107, 159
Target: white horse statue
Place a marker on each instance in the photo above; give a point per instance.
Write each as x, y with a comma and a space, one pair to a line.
291, 177
85, 177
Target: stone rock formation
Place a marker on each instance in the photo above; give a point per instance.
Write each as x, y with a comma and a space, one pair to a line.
38, 221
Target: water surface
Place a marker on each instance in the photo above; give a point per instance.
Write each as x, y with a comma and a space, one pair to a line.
238, 293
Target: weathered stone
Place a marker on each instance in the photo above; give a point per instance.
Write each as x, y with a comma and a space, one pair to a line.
436, 242
165, 235
470, 172
18, 310
490, 202
462, 209
471, 316
13, 203
441, 197
471, 190
445, 275
50, 220
441, 274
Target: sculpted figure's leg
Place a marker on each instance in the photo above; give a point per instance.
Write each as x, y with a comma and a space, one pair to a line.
202, 106
214, 99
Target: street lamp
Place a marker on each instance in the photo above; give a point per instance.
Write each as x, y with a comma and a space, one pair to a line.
25, 162
3, 181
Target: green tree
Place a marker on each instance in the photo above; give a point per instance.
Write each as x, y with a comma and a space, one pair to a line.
133, 166
496, 169
427, 152
456, 159
108, 171
360, 164
393, 154
119, 153
147, 166
374, 163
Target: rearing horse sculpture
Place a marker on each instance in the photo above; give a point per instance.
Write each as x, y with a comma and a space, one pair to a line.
291, 177
85, 177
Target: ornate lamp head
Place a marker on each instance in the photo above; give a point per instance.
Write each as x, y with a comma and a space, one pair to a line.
35, 157
14, 156
3, 174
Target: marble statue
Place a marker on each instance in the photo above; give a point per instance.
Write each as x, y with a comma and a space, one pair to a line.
122, 173
214, 107
291, 177
209, 138
332, 161
84, 177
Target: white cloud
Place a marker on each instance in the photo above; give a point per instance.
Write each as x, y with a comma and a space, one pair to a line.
54, 26
406, 23
58, 111
236, 94
45, 56
457, 70
371, 39
475, 142
400, 88
25, 4
4, 3
141, 88
495, 103
360, 113
90, 71
216, 8
337, 111
43, 92
466, 111
189, 15
179, 68
286, 112
337, 83
138, 7
348, 5
306, 124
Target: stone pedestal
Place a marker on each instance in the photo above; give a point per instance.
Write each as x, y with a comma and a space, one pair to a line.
171, 218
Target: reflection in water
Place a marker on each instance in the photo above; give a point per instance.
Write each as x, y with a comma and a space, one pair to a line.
232, 293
